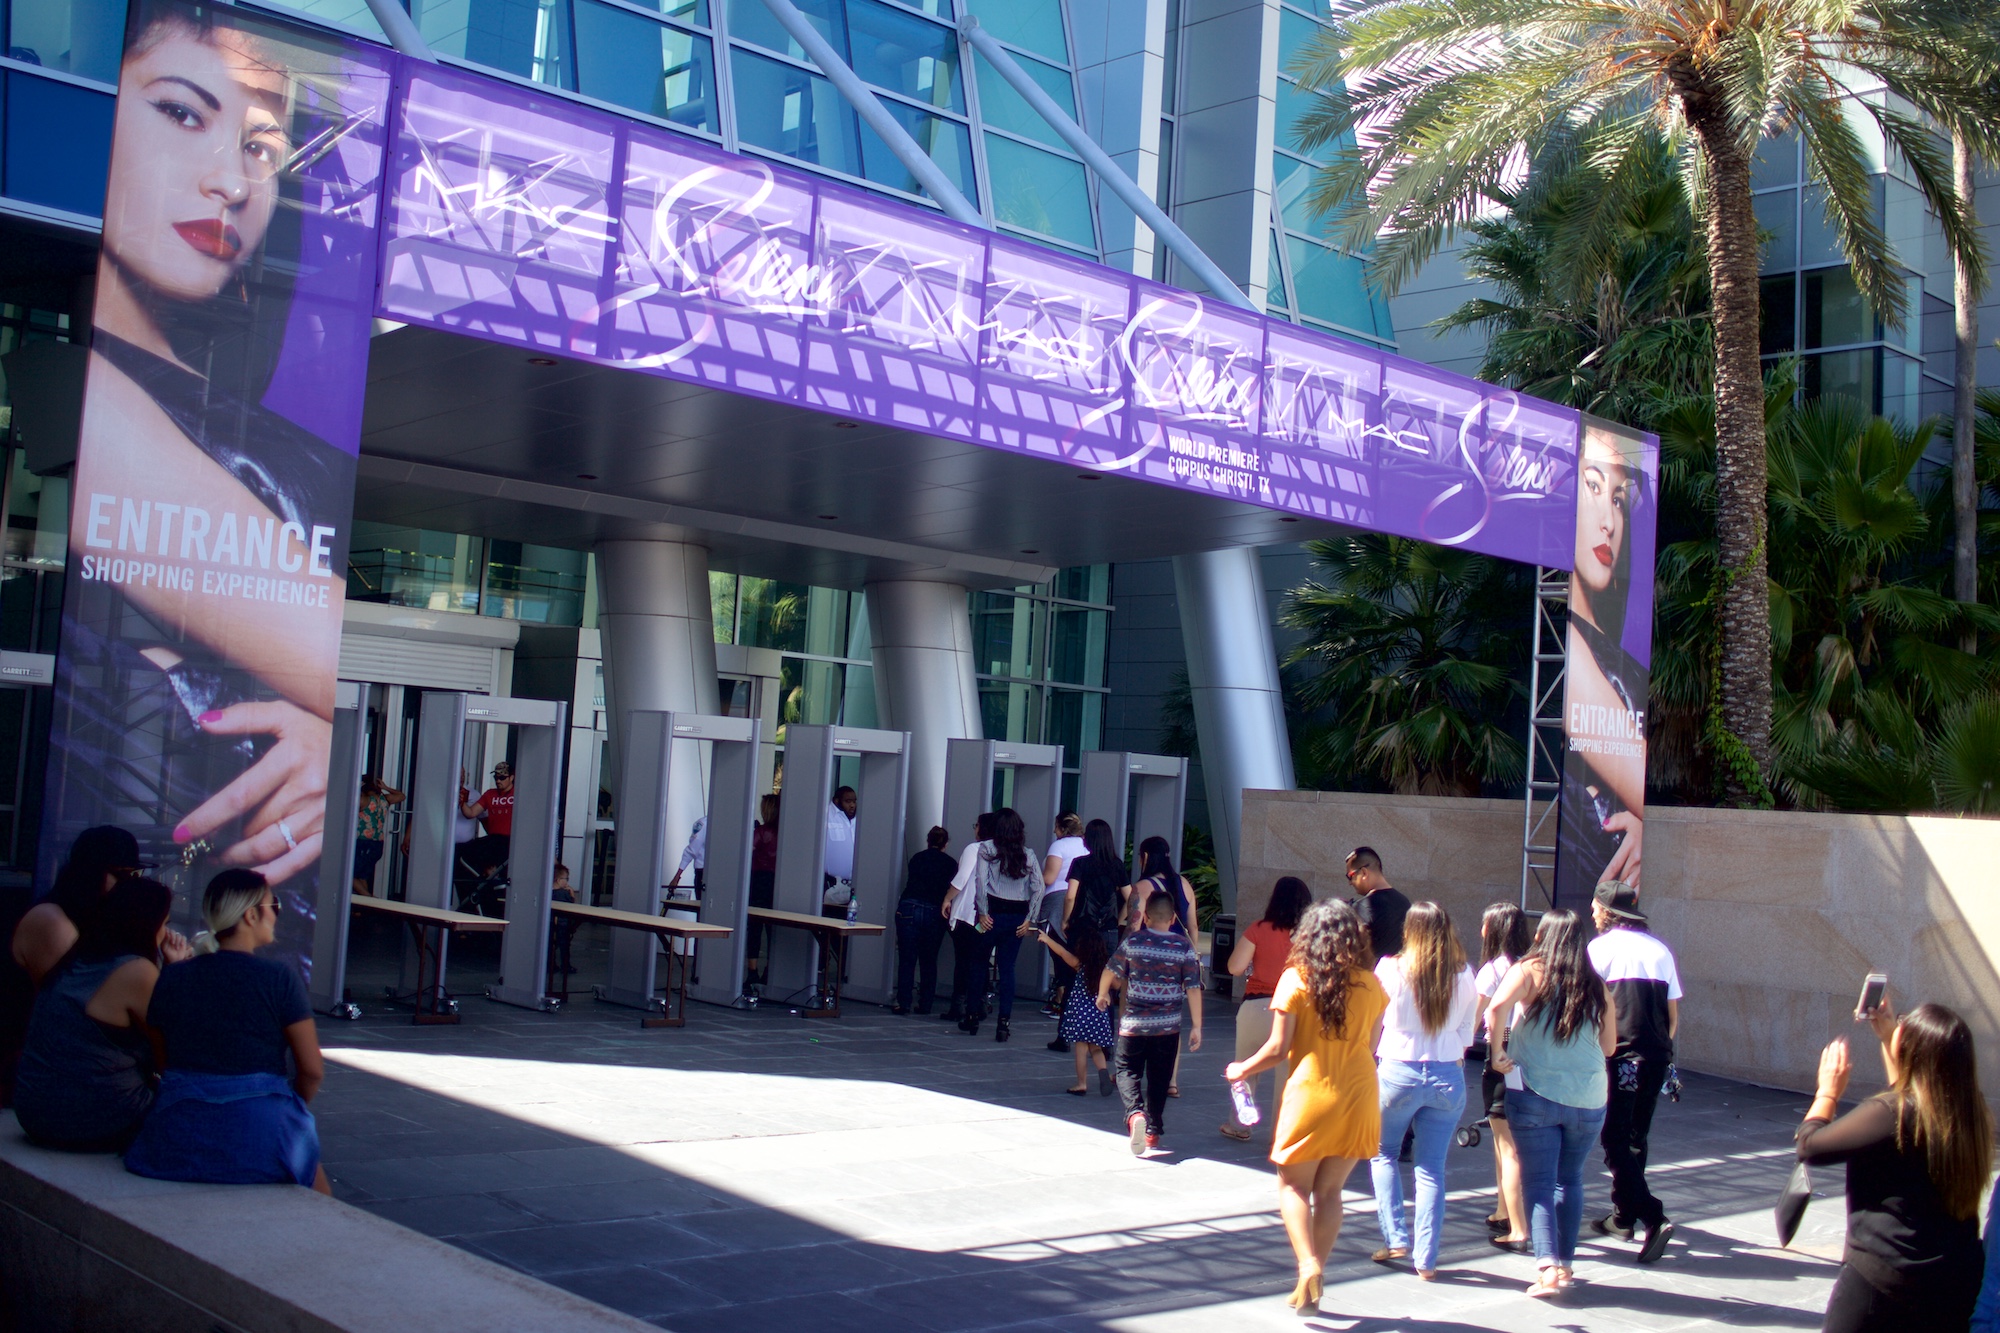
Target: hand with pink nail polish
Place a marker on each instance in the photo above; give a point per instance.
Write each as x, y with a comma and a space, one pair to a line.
281, 798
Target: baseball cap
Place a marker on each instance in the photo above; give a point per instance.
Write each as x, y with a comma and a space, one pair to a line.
502, 769
107, 846
1621, 900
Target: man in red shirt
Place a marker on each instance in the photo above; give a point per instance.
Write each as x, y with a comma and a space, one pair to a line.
496, 806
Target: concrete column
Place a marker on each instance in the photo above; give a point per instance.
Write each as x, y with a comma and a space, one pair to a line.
921, 634
659, 653
1239, 709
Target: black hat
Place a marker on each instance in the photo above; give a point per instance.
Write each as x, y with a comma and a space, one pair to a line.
1620, 900
106, 847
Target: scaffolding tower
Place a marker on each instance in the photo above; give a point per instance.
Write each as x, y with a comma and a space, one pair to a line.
1542, 798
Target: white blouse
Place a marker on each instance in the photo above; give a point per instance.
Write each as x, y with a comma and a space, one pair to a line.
1403, 1035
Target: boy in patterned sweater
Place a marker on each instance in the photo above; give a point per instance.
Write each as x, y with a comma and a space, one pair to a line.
1157, 970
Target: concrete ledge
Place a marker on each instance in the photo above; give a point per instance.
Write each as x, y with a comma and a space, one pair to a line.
85, 1245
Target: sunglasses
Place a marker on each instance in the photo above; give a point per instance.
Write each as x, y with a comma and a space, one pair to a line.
274, 907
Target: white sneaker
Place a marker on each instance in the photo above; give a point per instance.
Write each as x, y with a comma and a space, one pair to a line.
1135, 1126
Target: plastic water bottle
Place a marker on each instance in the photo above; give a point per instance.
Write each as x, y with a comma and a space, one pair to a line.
1246, 1104
853, 907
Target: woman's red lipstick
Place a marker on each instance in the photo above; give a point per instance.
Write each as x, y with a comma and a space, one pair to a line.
211, 236
1605, 555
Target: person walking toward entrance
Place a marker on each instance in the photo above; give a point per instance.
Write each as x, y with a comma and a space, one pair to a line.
1086, 1029
960, 911
1639, 969
1007, 885
1263, 952
1917, 1157
1428, 1025
1566, 1028
1157, 875
371, 820
1049, 912
920, 923
1326, 1019
1379, 904
1157, 970
1504, 939
763, 881
1098, 883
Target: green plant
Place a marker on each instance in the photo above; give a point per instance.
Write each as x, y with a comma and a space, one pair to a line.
1198, 865
1429, 107
1410, 660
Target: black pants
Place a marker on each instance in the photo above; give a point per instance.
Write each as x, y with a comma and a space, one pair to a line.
1145, 1070
763, 884
1858, 1306
967, 955
1628, 1124
920, 929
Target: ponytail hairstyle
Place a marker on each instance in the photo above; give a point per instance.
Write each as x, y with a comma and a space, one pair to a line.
937, 838
1069, 825
1328, 948
1503, 933
1433, 959
1010, 843
224, 902
1572, 996
1091, 956
1939, 1110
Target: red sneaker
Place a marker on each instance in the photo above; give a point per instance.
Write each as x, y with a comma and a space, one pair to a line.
1152, 1142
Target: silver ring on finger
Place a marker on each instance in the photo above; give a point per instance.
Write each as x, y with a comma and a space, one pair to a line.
285, 832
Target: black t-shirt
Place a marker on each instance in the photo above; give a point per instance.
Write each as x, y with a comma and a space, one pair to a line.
1097, 905
226, 1013
1899, 1235
930, 876
1382, 912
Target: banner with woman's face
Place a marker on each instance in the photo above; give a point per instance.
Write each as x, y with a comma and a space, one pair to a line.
1603, 817
214, 479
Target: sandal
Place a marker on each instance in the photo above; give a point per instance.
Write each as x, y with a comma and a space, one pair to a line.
1077, 1092
1511, 1246
1231, 1130
1389, 1254
1544, 1288
1173, 1091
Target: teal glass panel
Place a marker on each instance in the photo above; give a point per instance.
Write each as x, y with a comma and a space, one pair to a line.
722, 605
81, 37
1778, 217
526, 38
809, 692
1076, 645
948, 143
1076, 722
1011, 712
1040, 192
770, 614
1006, 636
751, 21
1083, 583
1332, 287
1295, 31
905, 54
858, 707
1293, 104
353, 14
648, 67
1835, 311
1003, 108
790, 111
1276, 290
1292, 181
1033, 25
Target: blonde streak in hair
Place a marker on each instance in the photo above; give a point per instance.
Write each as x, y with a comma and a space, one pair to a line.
205, 942
230, 913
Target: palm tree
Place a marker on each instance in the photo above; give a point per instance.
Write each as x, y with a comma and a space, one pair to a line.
1412, 652
1431, 107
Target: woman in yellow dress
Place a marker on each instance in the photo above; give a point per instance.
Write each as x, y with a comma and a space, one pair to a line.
1326, 1019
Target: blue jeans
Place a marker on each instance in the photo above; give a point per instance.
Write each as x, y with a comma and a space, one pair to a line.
1429, 1095
1554, 1141
1002, 941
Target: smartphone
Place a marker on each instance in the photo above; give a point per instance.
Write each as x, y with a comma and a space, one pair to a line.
1871, 993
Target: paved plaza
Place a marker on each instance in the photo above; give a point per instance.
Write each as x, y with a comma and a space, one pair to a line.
757, 1170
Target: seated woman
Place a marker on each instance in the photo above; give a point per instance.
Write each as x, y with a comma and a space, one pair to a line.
228, 1111
99, 858
87, 1069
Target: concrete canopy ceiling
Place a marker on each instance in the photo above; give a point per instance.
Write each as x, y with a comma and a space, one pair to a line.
462, 435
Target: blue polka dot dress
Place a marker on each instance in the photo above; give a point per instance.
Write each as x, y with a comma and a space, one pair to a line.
1082, 1020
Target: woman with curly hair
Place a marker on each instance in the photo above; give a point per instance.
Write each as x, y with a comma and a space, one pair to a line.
1326, 1018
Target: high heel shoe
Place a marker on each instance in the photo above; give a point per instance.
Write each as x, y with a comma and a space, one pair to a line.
1002, 1031
1304, 1299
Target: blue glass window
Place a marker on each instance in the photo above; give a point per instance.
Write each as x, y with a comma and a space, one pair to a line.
790, 111
948, 143
904, 53
526, 38
647, 66
1001, 106
81, 37
1033, 25
750, 21
63, 170
1277, 279
1040, 192
1332, 287
1295, 32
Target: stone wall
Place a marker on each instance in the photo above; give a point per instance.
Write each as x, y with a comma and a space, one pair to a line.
1773, 917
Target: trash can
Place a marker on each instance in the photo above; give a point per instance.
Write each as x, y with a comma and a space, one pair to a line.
1222, 943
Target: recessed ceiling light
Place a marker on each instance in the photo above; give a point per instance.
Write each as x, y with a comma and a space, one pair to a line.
541, 361
847, 425
1287, 518
1090, 476
828, 518
1029, 550
586, 476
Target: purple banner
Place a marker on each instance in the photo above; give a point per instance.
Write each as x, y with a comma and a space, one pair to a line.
1607, 667
533, 221
214, 481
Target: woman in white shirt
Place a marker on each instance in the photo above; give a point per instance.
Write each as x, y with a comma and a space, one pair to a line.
1428, 1025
